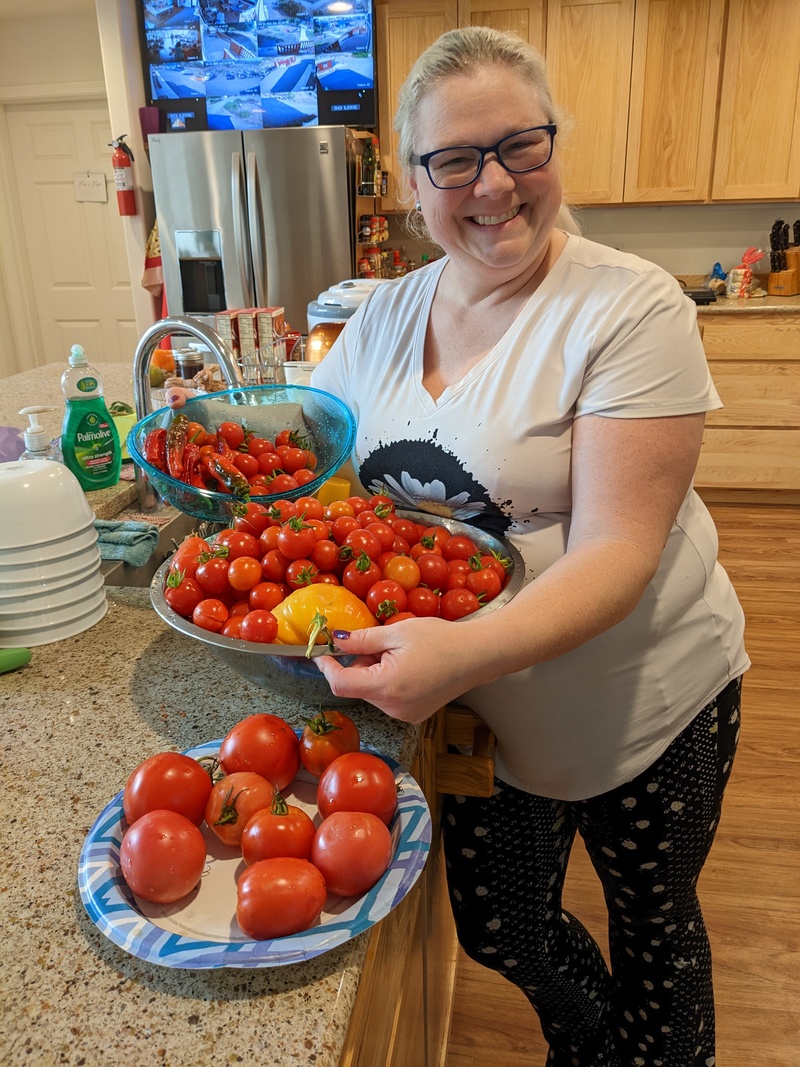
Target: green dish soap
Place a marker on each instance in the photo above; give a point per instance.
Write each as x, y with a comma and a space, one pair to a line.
89, 438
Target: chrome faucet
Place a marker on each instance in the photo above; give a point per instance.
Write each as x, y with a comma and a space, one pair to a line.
179, 325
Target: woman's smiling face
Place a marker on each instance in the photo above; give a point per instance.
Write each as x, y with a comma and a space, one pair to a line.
502, 221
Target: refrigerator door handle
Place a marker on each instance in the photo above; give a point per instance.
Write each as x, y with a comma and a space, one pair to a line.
240, 228
256, 231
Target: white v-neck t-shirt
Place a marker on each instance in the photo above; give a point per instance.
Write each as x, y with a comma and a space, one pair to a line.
605, 333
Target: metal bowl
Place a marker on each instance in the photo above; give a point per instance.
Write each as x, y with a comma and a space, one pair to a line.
285, 669
325, 420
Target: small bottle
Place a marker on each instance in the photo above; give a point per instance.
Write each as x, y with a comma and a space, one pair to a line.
368, 168
37, 441
89, 438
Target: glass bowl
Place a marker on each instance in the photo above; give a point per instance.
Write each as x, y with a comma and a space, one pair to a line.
325, 420
285, 669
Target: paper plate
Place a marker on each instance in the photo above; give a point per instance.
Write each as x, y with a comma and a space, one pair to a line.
200, 931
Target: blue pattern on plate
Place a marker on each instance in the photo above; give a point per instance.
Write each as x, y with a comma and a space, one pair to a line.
114, 910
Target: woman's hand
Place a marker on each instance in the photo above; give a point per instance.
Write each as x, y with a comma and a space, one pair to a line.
409, 669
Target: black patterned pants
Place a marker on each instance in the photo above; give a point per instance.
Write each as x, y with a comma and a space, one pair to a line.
648, 840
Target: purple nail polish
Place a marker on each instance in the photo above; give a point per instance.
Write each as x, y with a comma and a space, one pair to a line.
341, 635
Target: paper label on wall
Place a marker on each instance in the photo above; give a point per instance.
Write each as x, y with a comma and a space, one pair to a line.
90, 187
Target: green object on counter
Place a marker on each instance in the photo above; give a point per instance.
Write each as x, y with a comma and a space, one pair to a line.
89, 437
11, 658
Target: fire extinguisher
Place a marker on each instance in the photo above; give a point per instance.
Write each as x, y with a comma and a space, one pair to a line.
123, 175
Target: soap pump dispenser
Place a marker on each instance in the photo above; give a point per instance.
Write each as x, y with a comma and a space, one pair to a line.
37, 441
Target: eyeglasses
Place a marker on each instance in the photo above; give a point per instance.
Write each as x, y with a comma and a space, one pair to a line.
452, 168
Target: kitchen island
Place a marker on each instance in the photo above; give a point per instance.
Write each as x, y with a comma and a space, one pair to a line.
77, 719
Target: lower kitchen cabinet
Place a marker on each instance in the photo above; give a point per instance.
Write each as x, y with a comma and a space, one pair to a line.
752, 444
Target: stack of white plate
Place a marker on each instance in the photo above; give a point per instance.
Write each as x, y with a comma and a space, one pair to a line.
50, 581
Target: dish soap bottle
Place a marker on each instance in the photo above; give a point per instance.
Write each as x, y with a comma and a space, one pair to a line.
89, 438
37, 441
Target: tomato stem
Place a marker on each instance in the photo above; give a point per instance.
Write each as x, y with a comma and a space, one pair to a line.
319, 625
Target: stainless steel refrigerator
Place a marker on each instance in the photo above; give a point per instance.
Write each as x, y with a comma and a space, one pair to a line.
258, 218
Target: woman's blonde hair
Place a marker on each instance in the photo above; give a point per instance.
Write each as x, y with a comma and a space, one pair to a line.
460, 52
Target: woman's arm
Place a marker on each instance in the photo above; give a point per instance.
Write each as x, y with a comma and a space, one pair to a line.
629, 478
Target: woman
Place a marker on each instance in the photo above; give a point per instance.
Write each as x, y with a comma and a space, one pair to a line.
553, 391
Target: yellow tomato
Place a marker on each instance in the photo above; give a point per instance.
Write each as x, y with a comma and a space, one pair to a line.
307, 615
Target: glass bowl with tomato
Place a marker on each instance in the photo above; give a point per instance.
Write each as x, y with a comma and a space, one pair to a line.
263, 442
288, 669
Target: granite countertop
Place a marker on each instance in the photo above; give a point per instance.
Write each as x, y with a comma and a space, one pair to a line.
770, 305
77, 719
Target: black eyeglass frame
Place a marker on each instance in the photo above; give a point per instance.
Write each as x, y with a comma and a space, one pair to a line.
424, 160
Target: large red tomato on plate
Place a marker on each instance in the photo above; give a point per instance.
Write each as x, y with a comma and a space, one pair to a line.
167, 780
353, 850
357, 781
265, 744
279, 830
278, 897
233, 801
326, 736
162, 856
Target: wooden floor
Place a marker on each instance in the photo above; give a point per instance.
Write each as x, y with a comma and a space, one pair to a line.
750, 887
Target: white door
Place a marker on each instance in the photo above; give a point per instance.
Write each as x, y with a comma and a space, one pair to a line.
76, 249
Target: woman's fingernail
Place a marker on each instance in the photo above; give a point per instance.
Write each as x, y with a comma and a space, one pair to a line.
341, 635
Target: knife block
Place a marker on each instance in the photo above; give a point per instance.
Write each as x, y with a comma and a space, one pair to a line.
783, 283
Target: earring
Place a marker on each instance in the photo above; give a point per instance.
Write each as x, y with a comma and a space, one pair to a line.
418, 206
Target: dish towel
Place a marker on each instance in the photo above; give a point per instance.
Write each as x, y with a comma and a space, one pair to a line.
132, 542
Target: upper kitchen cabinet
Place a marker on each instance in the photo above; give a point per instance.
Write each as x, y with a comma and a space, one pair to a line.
674, 80
404, 30
589, 52
758, 138
526, 19
639, 78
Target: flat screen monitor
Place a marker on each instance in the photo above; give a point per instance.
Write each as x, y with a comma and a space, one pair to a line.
255, 64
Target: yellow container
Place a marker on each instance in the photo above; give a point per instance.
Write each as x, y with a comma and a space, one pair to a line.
334, 489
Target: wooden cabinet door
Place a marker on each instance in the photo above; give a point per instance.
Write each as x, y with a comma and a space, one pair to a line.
674, 81
525, 17
405, 28
758, 131
589, 48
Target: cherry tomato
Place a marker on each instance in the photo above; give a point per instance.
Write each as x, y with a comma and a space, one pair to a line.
433, 570
366, 518
363, 541
265, 595
279, 830
403, 570
501, 564
357, 781
280, 511
301, 572
400, 546
162, 856
322, 529
304, 476
310, 507
232, 626
485, 583
253, 520
196, 434
352, 849
357, 503
434, 536
285, 437
385, 598
278, 897
423, 602
273, 566
265, 744
247, 464
326, 578
182, 594
243, 573
210, 614
458, 547
381, 504
325, 554
283, 483
328, 735
338, 508
260, 626
457, 603
187, 556
342, 526
268, 538
384, 532
269, 462
238, 543
405, 528
212, 576
167, 780
233, 801
293, 459
296, 539
232, 432
257, 445
400, 616
360, 574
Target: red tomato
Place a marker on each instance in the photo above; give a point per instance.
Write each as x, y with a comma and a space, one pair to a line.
282, 483
243, 573
260, 626
382, 505
301, 572
278, 897
456, 603
310, 508
257, 445
265, 744
357, 503
182, 594
210, 614
273, 566
232, 626
485, 583
326, 578
384, 532
279, 830
167, 780
458, 547
247, 464
405, 528
359, 575
253, 520
322, 529
400, 546
400, 616
423, 602
325, 554
212, 576
357, 781
187, 556
501, 564
293, 459
304, 476
296, 539
162, 856
338, 508
359, 541
434, 536
385, 598
281, 511
342, 526
265, 596
328, 735
404, 570
269, 462
352, 849
366, 518
285, 437
233, 801
268, 538
232, 432
238, 543
433, 570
